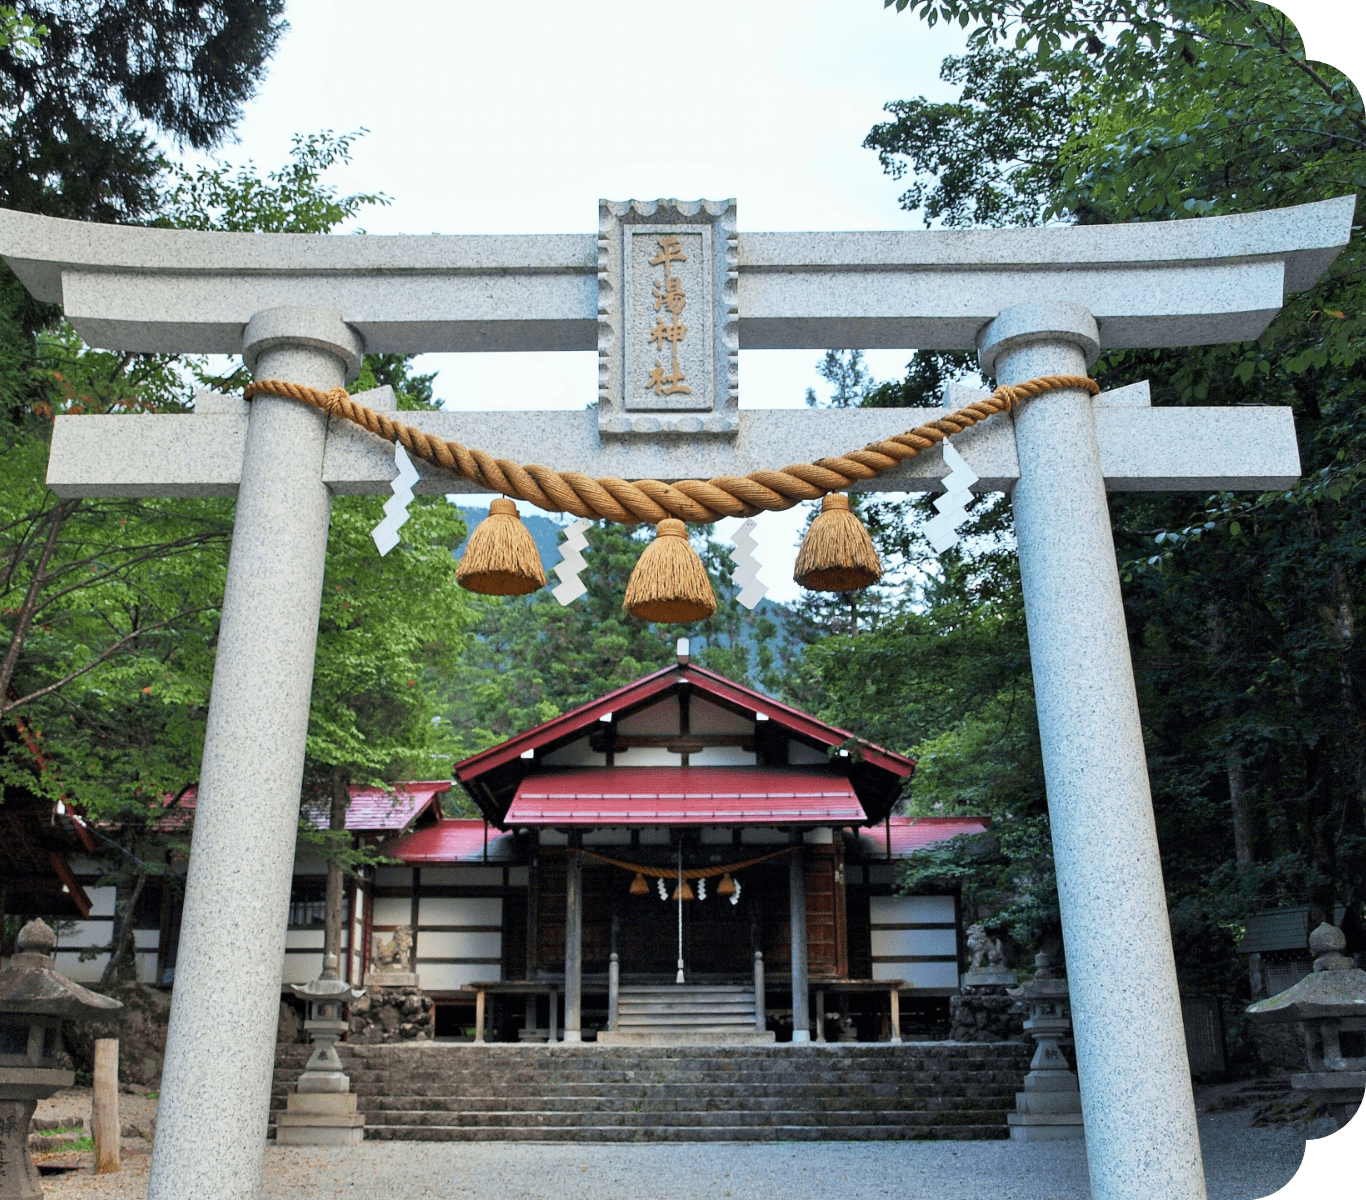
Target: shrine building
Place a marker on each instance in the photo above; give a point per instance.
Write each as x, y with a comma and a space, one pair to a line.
510, 921
779, 825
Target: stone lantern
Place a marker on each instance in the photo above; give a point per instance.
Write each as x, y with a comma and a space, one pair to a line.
34, 1000
1049, 1109
321, 1111
1329, 1005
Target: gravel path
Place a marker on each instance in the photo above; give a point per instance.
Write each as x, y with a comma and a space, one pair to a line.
1241, 1163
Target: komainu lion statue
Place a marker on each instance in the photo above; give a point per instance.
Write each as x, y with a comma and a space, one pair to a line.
986, 951
393, 954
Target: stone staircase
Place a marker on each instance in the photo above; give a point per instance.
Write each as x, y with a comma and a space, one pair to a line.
674, 1014
586, 1093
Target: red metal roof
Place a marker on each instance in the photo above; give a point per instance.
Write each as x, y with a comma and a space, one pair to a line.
685, 796
372, 810
910, 834
453, 839
704, 683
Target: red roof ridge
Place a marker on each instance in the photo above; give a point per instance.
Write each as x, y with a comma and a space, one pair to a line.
656, 682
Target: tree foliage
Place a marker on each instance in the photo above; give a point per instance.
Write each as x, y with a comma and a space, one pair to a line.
1243, 610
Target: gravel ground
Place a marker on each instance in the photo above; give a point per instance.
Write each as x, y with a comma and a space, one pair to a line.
1240, 1162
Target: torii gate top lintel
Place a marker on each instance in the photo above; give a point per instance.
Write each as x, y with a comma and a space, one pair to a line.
1167, 283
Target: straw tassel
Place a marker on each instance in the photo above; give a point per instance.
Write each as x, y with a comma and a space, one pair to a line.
670, 583
727, 886
638, 886
687, 892
837, 554
501, 558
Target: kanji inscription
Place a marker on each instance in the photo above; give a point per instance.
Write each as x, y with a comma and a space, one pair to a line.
667, 317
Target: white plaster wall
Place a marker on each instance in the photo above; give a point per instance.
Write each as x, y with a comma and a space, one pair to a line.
459, 910
462, 876
441, 977
908, 910
897, 942
646, 756
433, 944
576, 754
722, 756
799, 754
300, 968
392, 910
102, 900
304, 939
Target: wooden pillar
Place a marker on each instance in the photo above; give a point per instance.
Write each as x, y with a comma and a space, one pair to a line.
105, 1105
796, 887
531, 1022
573, 946
479, 1014
554, 1014
895, 994
820, 1014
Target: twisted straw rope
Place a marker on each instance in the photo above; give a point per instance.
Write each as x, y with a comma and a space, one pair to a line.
700, 501
687, 872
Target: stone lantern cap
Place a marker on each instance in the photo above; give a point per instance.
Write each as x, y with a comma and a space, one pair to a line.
327, 988
1044, 987
32, 986
1336, 988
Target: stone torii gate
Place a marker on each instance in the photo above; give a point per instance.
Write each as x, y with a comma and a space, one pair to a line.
304, 308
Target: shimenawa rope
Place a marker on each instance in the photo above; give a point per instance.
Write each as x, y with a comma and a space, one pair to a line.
631, 502
688, 872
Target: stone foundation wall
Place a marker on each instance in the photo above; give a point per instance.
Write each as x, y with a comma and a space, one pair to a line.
981, 1016
388, 1015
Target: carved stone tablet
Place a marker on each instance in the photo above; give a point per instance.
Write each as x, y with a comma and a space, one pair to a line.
668, 322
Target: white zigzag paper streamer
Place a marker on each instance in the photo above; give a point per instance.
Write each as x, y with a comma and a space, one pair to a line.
396, 507
752, 590
571, 587
942, 530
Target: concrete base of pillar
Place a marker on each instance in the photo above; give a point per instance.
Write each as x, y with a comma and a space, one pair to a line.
1028, 1128
320, 1119
801, 1035
573, 1035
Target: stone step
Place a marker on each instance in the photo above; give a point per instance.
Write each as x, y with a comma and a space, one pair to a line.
390, 1110
586, 1093
989, 1130
670, 1006
691, 1118
705, 1092
461, 1080
677, 1019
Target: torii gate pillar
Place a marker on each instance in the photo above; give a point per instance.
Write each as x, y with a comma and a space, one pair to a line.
227, 987
1131, 1056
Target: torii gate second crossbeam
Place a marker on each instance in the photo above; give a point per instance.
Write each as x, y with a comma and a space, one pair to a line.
304, 309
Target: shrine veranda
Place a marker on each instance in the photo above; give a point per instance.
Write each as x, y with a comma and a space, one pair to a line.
1033, 302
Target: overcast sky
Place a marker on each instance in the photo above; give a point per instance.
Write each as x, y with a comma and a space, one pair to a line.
517, 117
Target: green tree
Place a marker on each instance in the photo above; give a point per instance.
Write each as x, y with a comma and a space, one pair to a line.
516, 671
1242, 610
